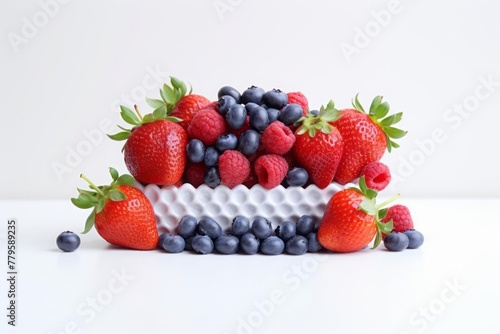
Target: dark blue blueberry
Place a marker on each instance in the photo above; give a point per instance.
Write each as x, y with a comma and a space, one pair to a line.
68, 241
173, 243
211, 157
272, 246
290, 114
227, 244
227, 141
416, 239
286, 230
225, 102
252, 94
275, 99
250, 107
297, 177
314, 245
259, 119
272, 114
202, 244
195, 150
261, 227
396, 241
212, 178
233, 92
208, 226
161, 237
189, 241
187, 227
314, 112
305, 225
249, 142
297, 245
249, 243
236, 116
240, 225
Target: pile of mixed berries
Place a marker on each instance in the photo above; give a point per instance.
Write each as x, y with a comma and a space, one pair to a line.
206, 235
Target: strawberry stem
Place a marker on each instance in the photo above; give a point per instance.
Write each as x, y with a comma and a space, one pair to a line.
392, 199
92, 185
138, 112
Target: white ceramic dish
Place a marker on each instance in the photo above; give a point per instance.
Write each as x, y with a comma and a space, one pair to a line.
223, 204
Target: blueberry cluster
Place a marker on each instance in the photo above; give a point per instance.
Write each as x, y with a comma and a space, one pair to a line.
206, 235
398, 241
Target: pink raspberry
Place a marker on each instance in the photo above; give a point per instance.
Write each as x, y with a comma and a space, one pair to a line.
300, 99
207, 125
401, 218
377, 175
277, 138
234, 168
271, 169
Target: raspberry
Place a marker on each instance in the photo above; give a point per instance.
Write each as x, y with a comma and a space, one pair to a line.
299, 98
277, 138
400, 216
195, 173
271, 169
377, 175
234, 168
207, 125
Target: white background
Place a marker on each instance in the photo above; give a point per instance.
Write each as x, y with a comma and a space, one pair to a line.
68, 75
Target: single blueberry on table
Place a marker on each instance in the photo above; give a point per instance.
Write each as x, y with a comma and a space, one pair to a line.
68, 241
396, 241
415, 238
173, 243
272, 246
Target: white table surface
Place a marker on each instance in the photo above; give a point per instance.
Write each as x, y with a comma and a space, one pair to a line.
450, 285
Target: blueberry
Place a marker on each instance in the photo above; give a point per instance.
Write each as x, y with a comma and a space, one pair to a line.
261, 227
297, 245
227, 244
187, 227
272, 246
272, 114
227, 141
68, 241
211, 157
250, 107
297, 177
314, 245
416, 239
252, 94
189, 243
290, 114
212, 178
259, 119
236, 116
305, 225
249, 243
286, 230
314, 112
233, 92
249, 142
202, 244
173, 243
161, 238
208, 226
240, 225
225, 102
396, 241
275, 99
195, 150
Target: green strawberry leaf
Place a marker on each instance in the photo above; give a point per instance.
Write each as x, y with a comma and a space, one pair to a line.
378, 239
356, 104
179, 85
148, 118
393, 119
114, 173
129, 116
375, 104
382, 110
155, 103
116, 195
395, 133
120, 136
368, 206
125, 180
382, 213
160, 113
100, 204
386, 228
90, 222
168, 95
84, 201
86, 192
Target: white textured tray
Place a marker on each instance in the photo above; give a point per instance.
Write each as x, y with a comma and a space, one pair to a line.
171, 203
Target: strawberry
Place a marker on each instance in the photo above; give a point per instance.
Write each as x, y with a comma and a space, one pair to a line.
319, 146
366, 136
121, 214
352, 219
178, 102
155, 151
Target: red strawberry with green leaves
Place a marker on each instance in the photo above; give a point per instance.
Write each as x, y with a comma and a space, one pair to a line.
155, 151
366, 136
352, 219
121, 213
319, 145
177, 102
